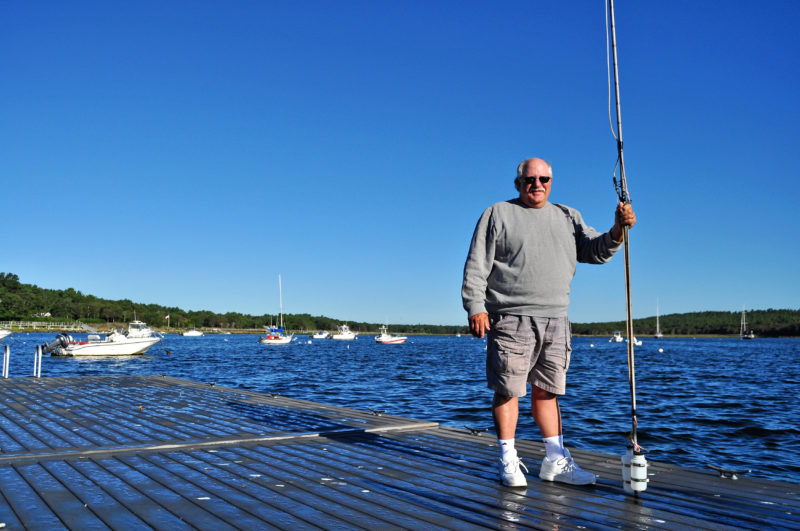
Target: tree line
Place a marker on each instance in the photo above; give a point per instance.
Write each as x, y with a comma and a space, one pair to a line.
771, 323
21, 302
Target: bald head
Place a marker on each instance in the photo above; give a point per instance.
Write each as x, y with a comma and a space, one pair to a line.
534, 193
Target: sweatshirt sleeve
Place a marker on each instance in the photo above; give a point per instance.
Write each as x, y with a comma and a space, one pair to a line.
479, 264
592, 246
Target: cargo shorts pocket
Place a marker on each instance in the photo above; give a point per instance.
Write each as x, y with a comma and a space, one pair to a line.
510, 357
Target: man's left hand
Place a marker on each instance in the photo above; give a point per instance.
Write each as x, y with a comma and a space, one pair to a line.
624, 216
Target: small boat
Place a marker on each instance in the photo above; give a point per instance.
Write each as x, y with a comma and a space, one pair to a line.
616, 338
344, 333
637, 342
137, 340
192, 333
4, 333
321, 335
743, 333
388, 339
275, 334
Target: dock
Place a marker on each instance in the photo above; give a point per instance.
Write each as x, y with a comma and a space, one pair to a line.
155, 452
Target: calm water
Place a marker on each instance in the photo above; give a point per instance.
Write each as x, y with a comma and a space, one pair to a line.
727, 402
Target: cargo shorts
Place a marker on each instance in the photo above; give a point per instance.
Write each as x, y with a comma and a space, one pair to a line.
525, 350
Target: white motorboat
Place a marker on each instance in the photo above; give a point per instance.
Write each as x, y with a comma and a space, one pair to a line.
743, 333
616, 338
344, 333
388, 339
4, 333
192, 333
137, 340
275, 335
322, 334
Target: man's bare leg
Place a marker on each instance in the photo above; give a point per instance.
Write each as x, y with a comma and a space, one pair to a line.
546, 412
505, 412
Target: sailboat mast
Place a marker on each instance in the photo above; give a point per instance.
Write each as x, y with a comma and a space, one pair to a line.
658, 327
280, 299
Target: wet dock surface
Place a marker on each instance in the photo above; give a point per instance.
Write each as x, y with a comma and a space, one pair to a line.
157, 452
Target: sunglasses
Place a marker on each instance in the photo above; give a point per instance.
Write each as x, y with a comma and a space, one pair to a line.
532, 180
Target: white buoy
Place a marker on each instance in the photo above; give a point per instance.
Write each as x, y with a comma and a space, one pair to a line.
591, 345
661, 350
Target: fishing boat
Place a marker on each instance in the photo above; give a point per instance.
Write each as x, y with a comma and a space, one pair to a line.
192, 333
388, 339
344, 333
4, 333
136, 340
322, 334
617, 337
743, 333
275, 334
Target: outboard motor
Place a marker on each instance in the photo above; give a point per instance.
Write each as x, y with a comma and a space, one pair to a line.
58, 344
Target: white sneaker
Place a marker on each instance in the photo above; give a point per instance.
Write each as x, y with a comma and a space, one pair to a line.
565, 470
511, 475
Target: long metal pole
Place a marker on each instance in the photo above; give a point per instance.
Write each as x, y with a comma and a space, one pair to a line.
624, 197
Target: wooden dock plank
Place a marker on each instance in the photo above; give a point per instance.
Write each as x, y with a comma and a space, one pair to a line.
196, 487
338, 500
260, 495
80, 453
25, 506
71, 511
187, 508
677, 488
107, 509
119, 492
333, 490
404, 486
455, 486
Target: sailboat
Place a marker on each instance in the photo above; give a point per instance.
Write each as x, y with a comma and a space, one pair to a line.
275, 335
658, 335
743, 333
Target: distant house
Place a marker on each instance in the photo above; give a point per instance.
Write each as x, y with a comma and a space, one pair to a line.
45, 314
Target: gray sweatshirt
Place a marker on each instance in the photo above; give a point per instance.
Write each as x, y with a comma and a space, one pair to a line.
521, 260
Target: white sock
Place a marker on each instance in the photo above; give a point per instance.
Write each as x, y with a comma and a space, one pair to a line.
507, 450
554, 446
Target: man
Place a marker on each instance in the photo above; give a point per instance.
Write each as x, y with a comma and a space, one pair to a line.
516, 287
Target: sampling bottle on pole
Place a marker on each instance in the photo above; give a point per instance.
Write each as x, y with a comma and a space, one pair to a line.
634, 464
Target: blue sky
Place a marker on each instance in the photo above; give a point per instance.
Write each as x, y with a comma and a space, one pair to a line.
186, 153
